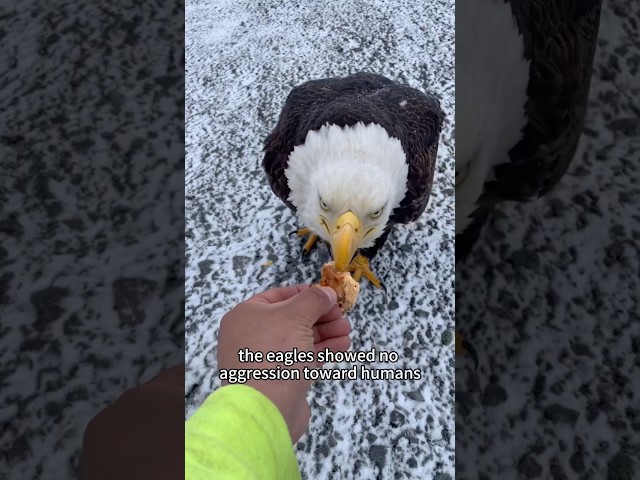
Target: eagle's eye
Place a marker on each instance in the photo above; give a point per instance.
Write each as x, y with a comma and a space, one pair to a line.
377, 213
324, 206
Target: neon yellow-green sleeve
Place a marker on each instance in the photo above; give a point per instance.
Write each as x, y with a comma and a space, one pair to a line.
238, 433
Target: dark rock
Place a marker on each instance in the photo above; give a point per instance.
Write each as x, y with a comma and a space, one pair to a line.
52, 409
397, 418
538, 385
493, 395
47, 303
525, 258
626, 126
576, 461
619, 426
5, 286
78, 394
430, 420
322, 450
35, 344
559, 414
205, 267
11, 226
19, 450
529, 467
557, 388
614, 253
557, 473
442, 476
621, 467
74, 223
429, 332
446, 337
239, 262
406, 248
581, 349
593, 410
415, 395
377, 454
129, 297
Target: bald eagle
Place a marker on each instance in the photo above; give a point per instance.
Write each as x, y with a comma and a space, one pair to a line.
352, 157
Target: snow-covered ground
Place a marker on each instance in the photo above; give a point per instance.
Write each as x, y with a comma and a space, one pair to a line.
242, 59
90, 215
550, 297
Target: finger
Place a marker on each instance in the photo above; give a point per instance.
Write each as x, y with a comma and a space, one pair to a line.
169, 377
311, 304
336, 328
337, 344
334, 314
276, 295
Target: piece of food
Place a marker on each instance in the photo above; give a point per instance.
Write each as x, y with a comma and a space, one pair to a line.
344, 285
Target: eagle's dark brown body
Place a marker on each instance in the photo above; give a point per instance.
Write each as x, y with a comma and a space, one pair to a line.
366, 98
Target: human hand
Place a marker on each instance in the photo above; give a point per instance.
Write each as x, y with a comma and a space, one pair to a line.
140, 435
282, 319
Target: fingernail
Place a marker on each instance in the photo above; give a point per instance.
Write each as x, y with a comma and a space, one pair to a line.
331, 293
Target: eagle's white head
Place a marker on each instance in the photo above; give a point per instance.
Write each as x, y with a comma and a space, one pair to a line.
345, 183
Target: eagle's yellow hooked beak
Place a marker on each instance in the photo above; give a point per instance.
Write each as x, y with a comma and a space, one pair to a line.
345, 240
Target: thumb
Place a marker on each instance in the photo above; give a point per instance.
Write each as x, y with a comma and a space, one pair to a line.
312, 303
